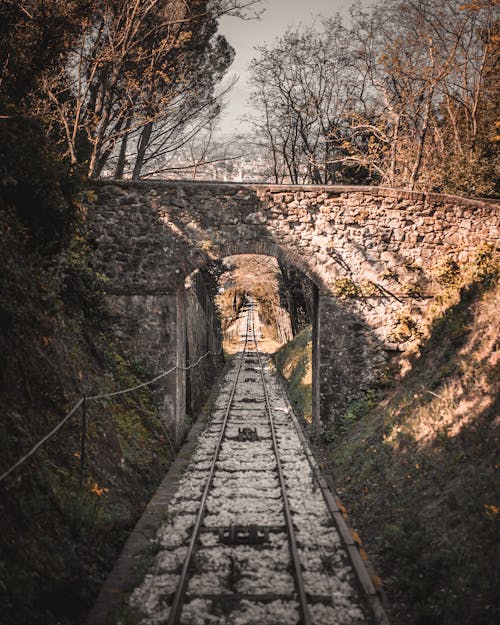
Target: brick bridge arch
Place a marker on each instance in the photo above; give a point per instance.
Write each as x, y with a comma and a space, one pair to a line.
370, 252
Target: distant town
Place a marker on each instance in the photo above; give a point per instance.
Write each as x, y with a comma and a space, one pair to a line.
231, 159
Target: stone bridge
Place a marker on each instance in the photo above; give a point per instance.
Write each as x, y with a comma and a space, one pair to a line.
369, 251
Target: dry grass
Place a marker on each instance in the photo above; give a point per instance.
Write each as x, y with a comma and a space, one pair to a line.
473, 391
419, 470
293, 361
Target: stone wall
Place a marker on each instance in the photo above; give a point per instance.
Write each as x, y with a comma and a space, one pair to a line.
370, 251
164, 329
145, 326
152, 234
202, 336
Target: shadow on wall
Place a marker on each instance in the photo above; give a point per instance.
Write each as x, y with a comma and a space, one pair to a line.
420, 471
151, 235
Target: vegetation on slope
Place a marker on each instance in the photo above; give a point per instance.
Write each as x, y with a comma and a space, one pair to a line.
293, 361
419, 470
57, 539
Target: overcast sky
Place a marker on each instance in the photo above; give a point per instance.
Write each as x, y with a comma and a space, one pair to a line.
244, 35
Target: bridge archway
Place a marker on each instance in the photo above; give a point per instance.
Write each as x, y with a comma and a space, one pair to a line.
370, 252
282, 254
285, 257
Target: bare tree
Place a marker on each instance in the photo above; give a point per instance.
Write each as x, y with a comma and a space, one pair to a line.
194, 108
304, 89
424, 63
404, 98
133, 65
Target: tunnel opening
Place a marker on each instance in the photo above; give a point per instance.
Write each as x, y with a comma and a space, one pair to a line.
287, 302
281, 293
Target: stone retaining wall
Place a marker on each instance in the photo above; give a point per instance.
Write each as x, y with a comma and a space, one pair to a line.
202, 335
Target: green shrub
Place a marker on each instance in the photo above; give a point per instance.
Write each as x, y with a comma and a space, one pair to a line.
345, 288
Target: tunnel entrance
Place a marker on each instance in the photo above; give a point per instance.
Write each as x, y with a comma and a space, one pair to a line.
287, 305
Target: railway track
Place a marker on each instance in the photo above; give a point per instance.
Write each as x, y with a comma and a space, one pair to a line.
250, 538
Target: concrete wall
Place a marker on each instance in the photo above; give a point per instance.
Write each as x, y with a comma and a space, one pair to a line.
164, 329
370, 252
202, 336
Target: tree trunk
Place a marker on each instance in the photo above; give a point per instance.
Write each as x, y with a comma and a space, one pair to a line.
122, 156
106, 153
141, 150
394, 148
421, 144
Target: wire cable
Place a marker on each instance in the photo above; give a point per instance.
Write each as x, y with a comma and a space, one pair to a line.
42, 441
102, 396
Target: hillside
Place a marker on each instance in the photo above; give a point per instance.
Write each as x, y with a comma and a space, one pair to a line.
416, 462
58, 539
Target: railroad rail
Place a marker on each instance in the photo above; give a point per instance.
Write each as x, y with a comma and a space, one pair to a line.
250, 538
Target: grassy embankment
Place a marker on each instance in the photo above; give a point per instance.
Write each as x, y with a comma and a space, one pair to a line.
293, 361
57, 540
416, 461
